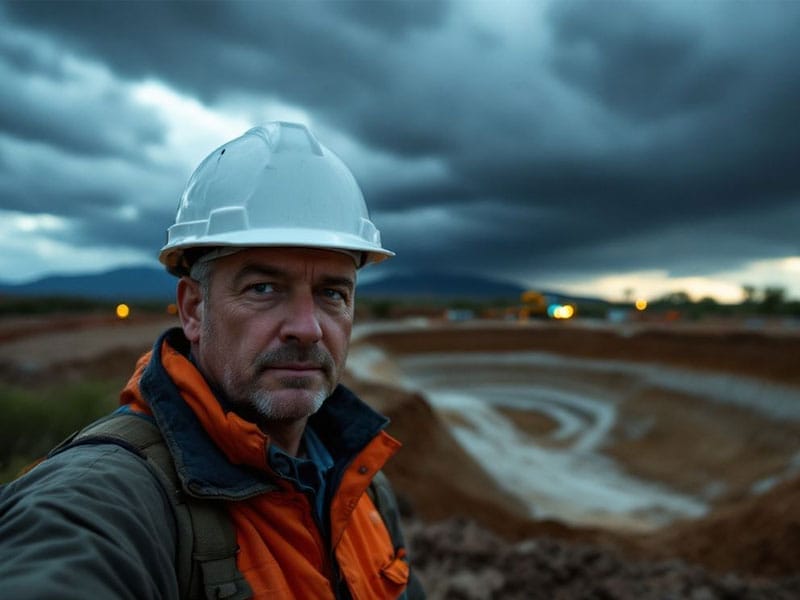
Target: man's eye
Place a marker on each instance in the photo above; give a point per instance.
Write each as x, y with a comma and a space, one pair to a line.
262, 288
334, 294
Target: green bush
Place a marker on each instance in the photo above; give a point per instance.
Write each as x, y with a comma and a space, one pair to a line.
36, 420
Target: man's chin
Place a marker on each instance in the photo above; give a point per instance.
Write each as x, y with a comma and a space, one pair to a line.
288, 404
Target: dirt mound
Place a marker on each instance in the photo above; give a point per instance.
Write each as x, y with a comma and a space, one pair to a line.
435, 456
436, 479
744, 536
759, 536
458, 560
772, 357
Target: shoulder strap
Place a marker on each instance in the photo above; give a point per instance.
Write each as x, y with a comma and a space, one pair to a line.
206, 548
382, 496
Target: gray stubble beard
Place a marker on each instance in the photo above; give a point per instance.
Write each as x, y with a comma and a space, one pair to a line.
264, 402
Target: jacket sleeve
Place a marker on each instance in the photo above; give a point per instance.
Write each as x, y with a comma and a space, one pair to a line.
90, 522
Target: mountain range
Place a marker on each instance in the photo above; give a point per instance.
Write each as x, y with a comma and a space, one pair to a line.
145, 283
127, 283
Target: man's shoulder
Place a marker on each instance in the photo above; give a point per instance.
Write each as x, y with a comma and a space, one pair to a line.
93, 471
100, 457
93, 517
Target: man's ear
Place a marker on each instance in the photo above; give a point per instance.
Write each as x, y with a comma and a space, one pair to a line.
190, 308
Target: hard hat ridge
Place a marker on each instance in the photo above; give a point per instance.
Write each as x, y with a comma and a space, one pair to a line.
275, 185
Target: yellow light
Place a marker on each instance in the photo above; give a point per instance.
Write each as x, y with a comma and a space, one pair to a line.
172, 309
564, 311
641, 304
123, 311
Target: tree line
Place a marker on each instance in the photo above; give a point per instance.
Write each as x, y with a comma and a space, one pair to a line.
767, 301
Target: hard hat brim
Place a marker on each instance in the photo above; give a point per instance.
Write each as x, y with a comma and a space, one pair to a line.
172, 256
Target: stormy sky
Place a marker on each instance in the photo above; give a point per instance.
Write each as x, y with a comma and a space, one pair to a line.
586, 146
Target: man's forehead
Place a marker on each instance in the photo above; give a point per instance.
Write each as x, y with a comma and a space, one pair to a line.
223, 251
288, 261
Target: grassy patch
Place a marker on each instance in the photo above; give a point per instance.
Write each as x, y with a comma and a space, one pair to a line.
34, 421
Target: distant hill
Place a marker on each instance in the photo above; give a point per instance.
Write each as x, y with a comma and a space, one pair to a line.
439, 286
129, 283
444, 286
146, 283
142, 283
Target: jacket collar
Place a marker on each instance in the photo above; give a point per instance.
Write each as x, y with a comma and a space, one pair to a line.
344, 424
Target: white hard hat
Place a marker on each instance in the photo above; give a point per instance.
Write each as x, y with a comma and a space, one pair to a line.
275, 185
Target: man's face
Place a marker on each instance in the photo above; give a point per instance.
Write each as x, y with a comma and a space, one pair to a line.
272, 334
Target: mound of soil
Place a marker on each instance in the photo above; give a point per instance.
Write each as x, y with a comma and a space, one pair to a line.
748, 546
458, 560
726, 349
758, 536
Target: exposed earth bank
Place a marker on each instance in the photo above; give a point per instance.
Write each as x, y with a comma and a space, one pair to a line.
472, 539
479, 542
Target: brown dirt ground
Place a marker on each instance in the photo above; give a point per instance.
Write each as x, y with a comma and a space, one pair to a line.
448, 496
745, 534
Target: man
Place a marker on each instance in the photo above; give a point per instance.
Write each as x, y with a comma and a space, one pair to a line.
268, 237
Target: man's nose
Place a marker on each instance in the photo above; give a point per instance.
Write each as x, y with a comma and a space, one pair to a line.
301, 322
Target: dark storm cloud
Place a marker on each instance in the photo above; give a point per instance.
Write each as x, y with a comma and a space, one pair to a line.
720, 107
696, 128
38, 179
394, 19
64, 124
316, 54
109, 229
571, 143
44, 99
638, 64
209, 48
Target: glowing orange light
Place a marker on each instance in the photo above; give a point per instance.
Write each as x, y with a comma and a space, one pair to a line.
172, 309
564, 311
641, 304
123, 311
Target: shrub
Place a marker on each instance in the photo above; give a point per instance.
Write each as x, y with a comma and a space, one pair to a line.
36, 420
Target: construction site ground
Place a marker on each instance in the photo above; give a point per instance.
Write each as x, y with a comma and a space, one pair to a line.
552, 460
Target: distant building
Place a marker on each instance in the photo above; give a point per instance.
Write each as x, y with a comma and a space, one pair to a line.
459, 314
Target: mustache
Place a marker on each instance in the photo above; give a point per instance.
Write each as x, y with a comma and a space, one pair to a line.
290, 353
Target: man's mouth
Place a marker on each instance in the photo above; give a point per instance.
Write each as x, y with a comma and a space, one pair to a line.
289, 361
294, 370
299, 367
